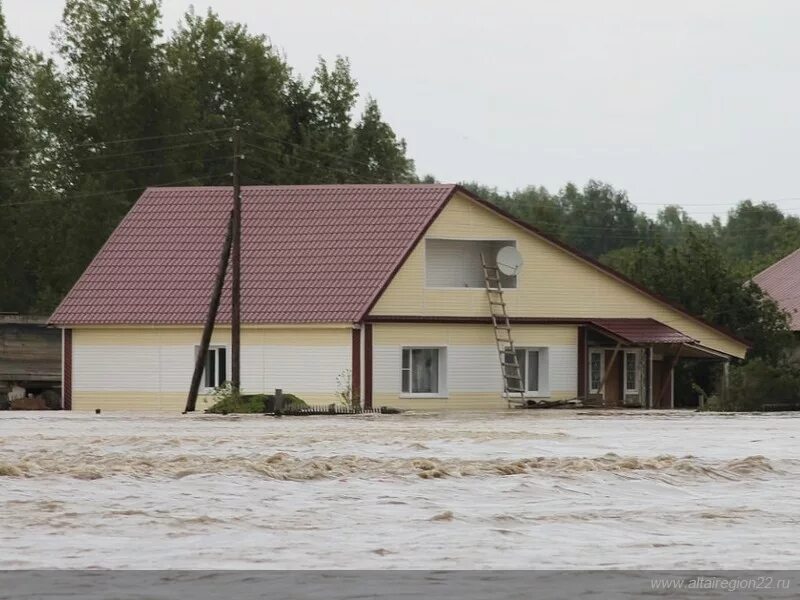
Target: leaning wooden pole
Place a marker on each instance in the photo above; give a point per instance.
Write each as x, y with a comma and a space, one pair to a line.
208, 328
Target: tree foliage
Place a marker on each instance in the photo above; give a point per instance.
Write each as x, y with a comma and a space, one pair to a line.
124, 107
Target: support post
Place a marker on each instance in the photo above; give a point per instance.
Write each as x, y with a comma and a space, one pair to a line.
602, 388
355, 368
66, 376
236, 270
211, 317
367, 365
650, 377
668, 380
582, 362
726, 381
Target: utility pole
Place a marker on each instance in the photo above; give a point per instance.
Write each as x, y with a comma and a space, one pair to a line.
236, 271
208, 328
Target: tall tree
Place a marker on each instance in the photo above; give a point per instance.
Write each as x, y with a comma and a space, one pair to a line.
17, 281
755, 235
218, 73
377, 153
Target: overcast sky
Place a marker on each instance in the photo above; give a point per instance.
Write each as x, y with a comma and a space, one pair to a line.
689, 102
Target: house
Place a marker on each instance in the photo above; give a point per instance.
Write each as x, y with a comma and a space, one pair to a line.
381, 283
30, 360
781, 281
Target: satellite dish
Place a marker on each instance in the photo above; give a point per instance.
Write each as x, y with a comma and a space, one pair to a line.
509, 261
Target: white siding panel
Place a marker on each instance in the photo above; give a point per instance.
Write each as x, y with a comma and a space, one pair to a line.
386, 362
473, 369
115, 368
168, 368
177, 365
563, 368
306, 368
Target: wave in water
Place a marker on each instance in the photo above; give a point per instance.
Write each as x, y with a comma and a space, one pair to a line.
283, 466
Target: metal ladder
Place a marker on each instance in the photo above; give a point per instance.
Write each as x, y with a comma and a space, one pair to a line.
513, 386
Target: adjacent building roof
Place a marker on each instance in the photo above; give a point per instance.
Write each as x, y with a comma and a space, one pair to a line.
782, 282
642, 331
309, 254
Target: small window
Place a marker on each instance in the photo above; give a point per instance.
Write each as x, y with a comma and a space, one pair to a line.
595, 371
457, 263
421, 371
530, 360
631, 372
215, 372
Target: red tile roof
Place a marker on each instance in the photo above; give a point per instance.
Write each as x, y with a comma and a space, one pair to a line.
309, 254
782, 282
642, 331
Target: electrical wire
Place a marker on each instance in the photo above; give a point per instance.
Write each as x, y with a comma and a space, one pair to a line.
123, 154
96, 194
139, 139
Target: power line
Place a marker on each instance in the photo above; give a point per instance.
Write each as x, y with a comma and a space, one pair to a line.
95, 194
139, 168
309, 161
333, 155
139, 139
123, 154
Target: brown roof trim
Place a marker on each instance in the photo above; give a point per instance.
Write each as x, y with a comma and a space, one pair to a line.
474, 320
596, 263
626, 340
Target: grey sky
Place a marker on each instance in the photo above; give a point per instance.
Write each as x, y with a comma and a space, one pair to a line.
696, 103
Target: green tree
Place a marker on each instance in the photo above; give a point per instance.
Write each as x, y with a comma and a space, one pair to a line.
17, 285
696, 275
756, 235
377, 153
218, 73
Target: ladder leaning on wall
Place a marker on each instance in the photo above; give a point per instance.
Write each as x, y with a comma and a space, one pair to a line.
513, 386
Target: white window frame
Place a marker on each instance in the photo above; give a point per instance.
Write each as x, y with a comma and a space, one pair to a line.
506, 241
602, 354
214, 348
543, 371
442, 393
637, 374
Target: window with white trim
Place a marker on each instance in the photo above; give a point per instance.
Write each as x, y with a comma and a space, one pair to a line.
596, 363
422, 371
532, 370
632, 372
215, 370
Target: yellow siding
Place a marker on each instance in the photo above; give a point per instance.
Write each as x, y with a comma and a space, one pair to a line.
410, 334
553, 282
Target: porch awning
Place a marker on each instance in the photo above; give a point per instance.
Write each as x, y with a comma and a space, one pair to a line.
641, 331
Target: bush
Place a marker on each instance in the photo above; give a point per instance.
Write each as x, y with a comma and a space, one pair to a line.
758, 385
229, 403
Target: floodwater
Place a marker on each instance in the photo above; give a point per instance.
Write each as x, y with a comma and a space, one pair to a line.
513, 490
